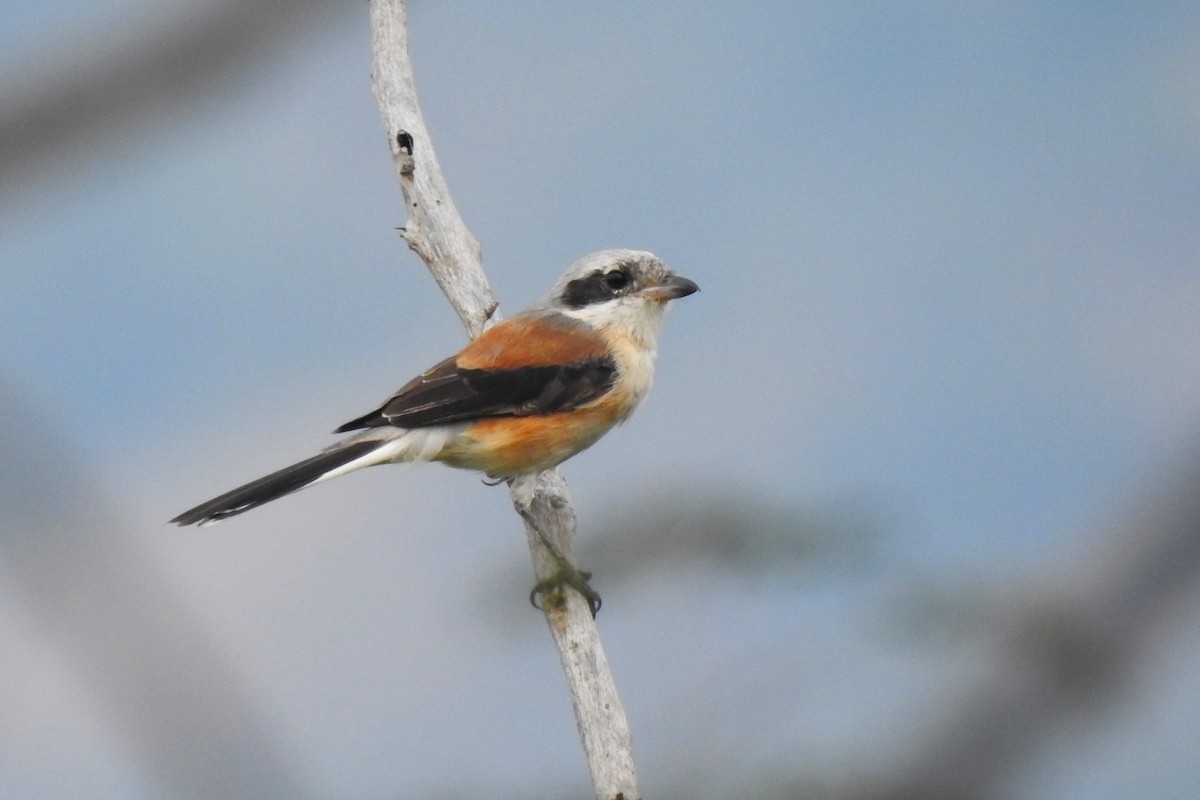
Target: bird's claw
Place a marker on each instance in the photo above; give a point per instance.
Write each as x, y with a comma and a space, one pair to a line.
552, 588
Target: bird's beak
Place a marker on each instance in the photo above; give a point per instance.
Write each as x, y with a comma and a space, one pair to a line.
674, 287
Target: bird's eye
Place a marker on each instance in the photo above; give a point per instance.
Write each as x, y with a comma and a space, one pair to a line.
616, 280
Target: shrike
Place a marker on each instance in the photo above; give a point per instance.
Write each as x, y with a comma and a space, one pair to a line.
526, 395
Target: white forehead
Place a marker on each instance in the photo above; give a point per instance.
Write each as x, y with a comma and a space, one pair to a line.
604, 259
643, 262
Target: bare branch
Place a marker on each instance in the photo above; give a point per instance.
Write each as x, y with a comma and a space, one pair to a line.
435, 230
437, 233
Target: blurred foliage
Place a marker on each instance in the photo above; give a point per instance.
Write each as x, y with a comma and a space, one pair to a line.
739, 532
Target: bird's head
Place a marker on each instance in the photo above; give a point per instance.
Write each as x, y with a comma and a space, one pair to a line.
626, 290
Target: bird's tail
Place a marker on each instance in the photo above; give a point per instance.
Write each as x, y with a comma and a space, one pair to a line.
324, 465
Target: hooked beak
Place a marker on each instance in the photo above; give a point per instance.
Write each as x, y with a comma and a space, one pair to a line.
672, 288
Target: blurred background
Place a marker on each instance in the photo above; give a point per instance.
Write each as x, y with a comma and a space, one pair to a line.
914, 508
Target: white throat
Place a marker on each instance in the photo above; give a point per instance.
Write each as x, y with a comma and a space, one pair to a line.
634, 317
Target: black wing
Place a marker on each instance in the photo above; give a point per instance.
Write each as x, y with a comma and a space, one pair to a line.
449, 393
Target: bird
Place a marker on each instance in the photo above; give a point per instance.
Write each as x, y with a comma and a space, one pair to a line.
522, 397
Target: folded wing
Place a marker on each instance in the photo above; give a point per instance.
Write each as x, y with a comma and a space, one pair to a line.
520, 367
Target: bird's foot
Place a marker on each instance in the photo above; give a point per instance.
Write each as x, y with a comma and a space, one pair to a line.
549, 590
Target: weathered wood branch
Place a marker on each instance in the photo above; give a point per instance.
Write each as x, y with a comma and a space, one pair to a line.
437, 233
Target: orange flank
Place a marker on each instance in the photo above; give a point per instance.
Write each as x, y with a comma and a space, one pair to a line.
507, 446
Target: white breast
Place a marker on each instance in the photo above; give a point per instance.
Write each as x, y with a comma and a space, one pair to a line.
631, 325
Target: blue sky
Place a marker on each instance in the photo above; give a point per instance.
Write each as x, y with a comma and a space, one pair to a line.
948, 259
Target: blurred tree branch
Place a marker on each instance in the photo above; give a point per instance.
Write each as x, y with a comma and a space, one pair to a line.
127, 76
101, 600
1066, 651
